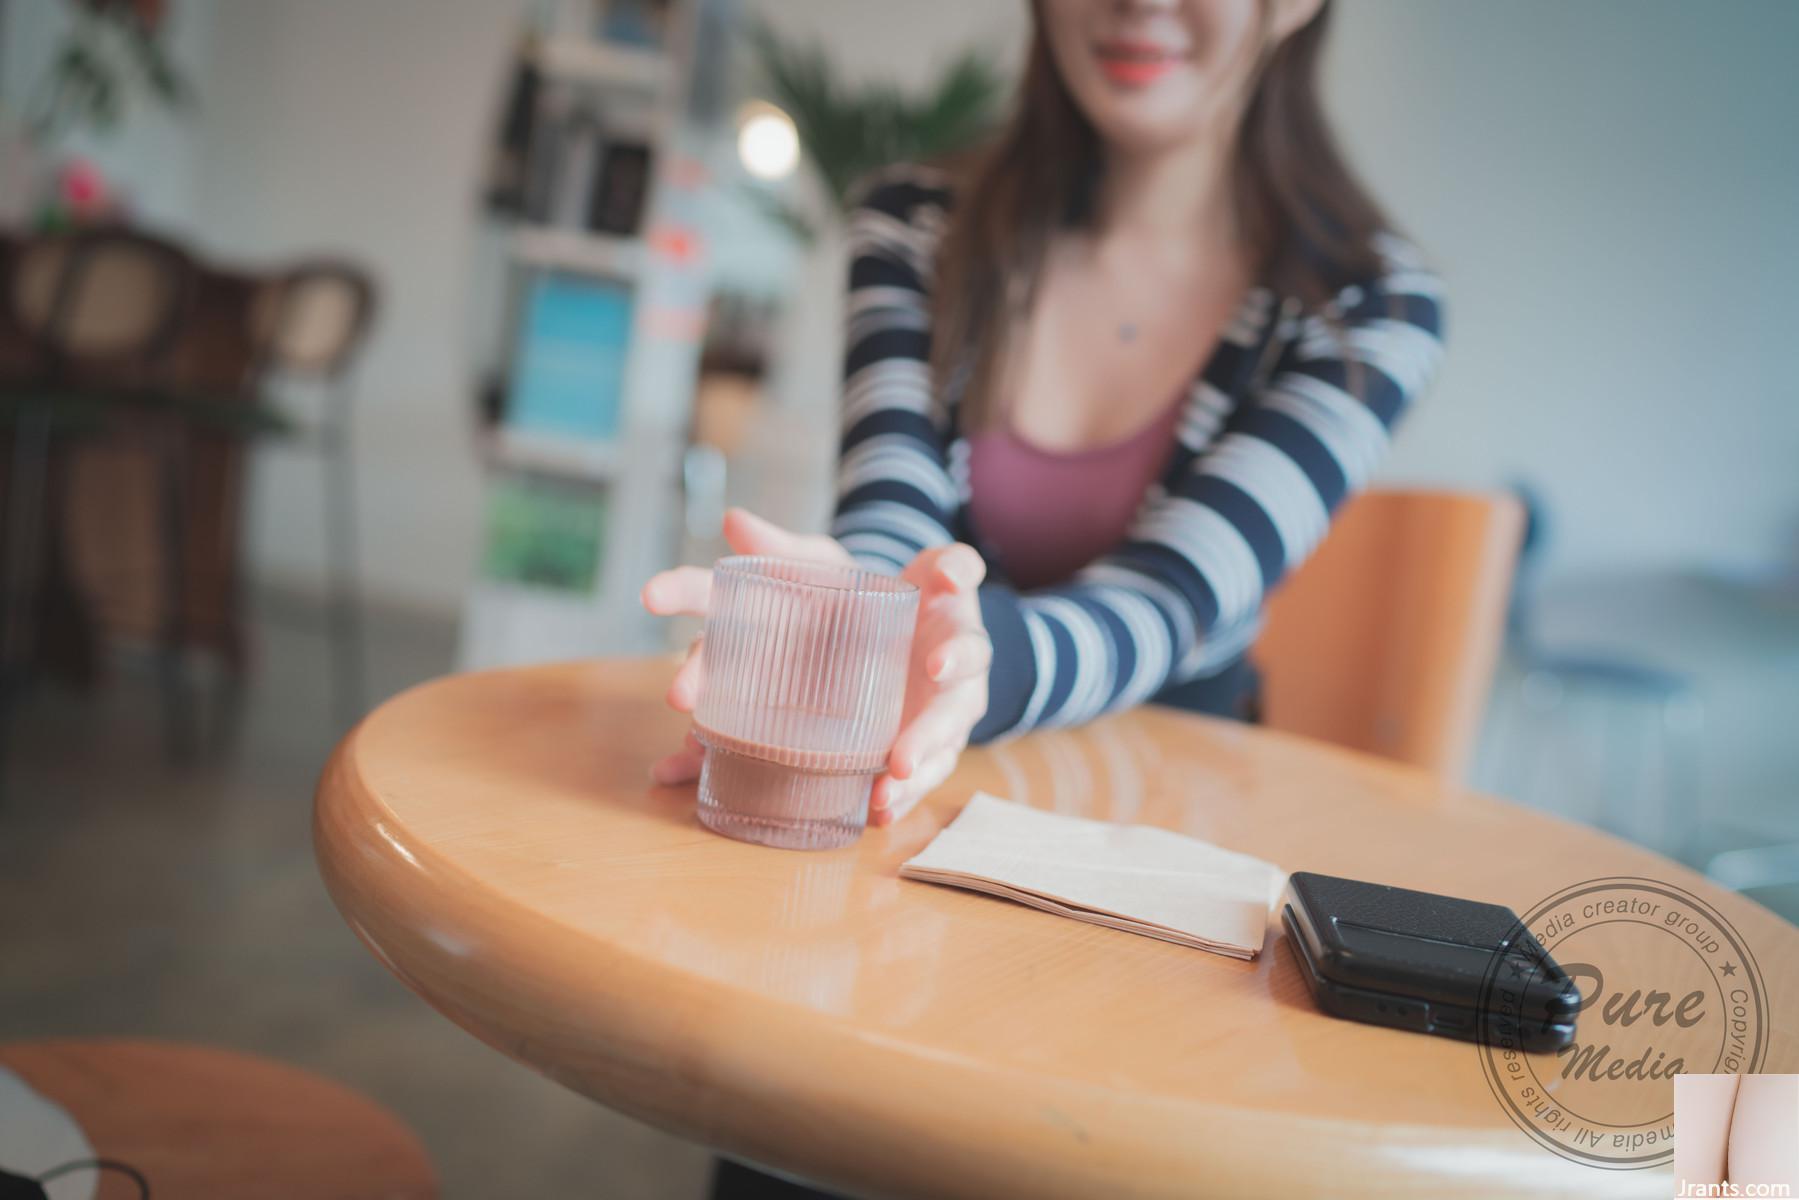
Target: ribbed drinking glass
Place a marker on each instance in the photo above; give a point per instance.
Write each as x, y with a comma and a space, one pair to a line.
804, 679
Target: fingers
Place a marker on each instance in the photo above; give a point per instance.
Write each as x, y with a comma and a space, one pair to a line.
749, 534
684, 691
956, 567
894, 798
963, 656
682, 592
683, 766
944, 722
961, 567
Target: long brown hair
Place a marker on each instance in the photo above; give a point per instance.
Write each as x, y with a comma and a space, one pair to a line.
1309, 224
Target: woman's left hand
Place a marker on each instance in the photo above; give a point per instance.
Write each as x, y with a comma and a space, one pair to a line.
946, 684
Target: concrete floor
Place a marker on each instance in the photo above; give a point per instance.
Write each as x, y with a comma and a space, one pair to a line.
141, 898
137, 897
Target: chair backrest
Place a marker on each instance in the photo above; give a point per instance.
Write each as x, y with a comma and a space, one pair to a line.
100, 297
310, 319
1386, 639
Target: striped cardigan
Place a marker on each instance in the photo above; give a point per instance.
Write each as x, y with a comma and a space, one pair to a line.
1286, 420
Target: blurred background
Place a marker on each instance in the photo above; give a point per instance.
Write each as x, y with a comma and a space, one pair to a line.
473, 313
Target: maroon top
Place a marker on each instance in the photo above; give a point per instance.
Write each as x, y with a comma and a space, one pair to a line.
1045, 514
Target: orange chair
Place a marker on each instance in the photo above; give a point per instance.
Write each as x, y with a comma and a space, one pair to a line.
197, 1122
1385, 640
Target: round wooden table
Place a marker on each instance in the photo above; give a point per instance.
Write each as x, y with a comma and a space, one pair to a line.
495, 841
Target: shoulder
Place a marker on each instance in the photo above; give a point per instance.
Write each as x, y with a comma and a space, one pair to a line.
897, 217
1403, 286
909, 192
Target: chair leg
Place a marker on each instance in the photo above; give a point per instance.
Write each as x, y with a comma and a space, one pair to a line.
1683, 726
18, 589
178, 709
1540, 693
1622, 759
229, 693
1496, 732
341, 551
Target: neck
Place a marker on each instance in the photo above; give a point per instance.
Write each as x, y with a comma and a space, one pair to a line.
1178, 196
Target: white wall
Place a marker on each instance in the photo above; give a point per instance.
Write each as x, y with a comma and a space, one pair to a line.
908, 42
358, 128
1612, 191
151, 155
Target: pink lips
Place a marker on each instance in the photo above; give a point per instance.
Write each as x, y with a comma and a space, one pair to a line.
1135, 64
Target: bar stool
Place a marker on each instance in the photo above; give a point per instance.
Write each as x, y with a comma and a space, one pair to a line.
100, 308
309, 322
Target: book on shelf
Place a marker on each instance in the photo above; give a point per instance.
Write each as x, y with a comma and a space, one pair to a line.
638, 23
568, 363
570, 182
544, 534
619, 189
642, 23
587, 163
509, 155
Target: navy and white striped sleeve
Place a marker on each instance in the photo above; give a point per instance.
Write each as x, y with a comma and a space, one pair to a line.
894, 492
1184, 591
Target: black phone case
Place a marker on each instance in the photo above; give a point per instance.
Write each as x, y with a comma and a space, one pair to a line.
1420, 961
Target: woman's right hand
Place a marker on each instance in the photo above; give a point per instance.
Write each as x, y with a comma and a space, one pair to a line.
685, 591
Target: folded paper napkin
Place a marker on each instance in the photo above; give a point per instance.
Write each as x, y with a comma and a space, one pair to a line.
1131, 877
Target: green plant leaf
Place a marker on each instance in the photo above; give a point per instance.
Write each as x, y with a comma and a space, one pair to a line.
87, 83
782, 213
848, 132
159, 69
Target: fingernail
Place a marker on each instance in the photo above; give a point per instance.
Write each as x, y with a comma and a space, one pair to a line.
968, 568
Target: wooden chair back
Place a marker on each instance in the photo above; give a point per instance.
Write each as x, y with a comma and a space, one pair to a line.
1385, 640
105, 298
312, 318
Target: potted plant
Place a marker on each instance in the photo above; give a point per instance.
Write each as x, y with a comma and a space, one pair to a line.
112, 50
847, 131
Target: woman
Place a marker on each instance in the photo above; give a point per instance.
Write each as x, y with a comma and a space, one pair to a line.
1105, 389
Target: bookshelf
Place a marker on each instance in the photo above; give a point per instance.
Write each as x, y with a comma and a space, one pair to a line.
597, 258
551, 248
591, 60
591, 459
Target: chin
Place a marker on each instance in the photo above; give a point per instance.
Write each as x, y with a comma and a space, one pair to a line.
1146, 123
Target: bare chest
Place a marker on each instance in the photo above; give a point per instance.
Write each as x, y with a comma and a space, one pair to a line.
1105, 352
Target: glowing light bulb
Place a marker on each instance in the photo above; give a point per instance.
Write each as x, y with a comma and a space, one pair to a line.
767, 143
